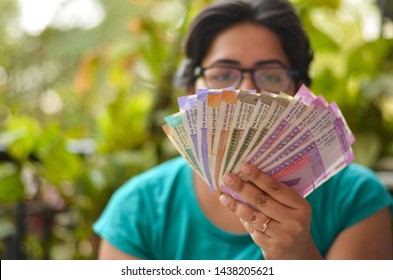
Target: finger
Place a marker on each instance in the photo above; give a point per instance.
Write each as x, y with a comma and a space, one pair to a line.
270, 229
255, 218
260, 238
257, 199
272, 187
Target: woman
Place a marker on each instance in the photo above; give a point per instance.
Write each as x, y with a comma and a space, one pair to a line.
169, 213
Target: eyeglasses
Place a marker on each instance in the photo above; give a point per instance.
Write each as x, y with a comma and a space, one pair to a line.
273, 78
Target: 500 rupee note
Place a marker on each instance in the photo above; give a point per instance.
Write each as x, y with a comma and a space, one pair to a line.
280, 102
246, 103
227, 107
260, 110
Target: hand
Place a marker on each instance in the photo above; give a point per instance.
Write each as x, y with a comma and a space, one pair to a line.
277, 218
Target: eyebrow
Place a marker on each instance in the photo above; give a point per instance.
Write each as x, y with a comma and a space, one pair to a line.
237, 63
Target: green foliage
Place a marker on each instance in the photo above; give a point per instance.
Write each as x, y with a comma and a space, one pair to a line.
81, 110
11, 186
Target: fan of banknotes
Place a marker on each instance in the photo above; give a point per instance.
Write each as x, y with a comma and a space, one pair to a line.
301, 141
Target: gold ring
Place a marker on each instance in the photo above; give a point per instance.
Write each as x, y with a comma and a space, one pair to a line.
264, 226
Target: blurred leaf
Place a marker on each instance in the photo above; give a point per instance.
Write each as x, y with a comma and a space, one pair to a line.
58, 164
22, 134
85, 75
11, 186
319, 40
123, 125
7, 228
367, 58
333, 4
373, 143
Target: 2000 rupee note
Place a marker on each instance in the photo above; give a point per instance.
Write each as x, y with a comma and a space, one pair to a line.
301, 101
309, 115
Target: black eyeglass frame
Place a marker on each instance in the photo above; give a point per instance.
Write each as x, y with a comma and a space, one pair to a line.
199, 71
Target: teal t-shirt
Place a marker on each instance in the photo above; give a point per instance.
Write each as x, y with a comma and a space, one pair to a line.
156, 215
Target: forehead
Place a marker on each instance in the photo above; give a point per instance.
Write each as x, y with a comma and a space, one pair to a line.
246, 44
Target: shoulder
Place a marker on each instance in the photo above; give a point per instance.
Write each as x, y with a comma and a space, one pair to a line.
351, 195
356, 182
352, 179
163, 170
126, 222
144, 192
167, 169
357, 174
156, 179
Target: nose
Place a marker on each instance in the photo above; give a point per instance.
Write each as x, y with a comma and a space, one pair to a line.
247, 82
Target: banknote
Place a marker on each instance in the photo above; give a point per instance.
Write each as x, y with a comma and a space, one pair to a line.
300, 140
302, 100
178, 136
213, 109
320, 156
242, 115
202, 129
188, 105
306, 169
309, 115
174, 139
279, 103
261, 109
315, 159
227, 107
323, 121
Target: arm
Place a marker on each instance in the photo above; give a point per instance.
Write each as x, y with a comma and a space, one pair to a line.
108, 252
371, 238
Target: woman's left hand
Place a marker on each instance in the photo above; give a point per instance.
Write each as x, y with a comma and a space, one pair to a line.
279, 219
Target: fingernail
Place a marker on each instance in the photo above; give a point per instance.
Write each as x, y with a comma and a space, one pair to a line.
228, 180
245, 169
224, 199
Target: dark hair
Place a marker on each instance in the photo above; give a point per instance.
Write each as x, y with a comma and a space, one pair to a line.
277, 15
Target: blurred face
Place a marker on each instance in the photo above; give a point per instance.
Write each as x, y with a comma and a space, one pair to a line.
252, 48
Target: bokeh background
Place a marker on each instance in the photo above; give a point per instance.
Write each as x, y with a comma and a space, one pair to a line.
85, 84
